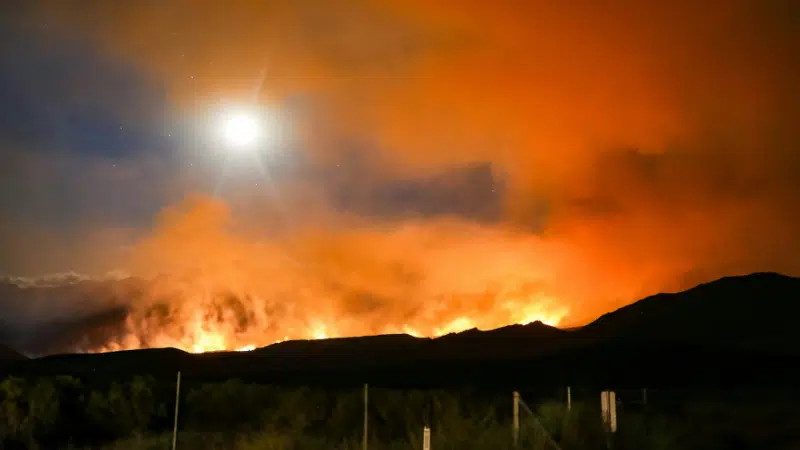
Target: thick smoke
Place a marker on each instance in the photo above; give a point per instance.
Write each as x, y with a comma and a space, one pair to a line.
418, 277
644, 147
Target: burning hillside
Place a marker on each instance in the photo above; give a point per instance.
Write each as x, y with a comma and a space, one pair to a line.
203, 282
227, 322
234, 291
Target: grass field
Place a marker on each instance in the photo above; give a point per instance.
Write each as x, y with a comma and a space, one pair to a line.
138, 412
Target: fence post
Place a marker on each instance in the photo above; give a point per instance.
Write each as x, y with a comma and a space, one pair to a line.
644, 396
366, 417
177, 404
516, 419
608, 403
426, 438
569, 399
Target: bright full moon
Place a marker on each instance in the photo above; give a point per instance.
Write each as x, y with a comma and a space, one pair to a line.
240, 129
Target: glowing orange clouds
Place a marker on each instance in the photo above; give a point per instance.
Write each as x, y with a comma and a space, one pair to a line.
646, 146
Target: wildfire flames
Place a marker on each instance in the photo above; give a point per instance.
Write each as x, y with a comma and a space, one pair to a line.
203, 330
212, 285
206, 337
240, 293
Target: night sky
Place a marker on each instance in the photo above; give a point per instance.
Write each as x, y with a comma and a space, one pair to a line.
655, 144
93, 147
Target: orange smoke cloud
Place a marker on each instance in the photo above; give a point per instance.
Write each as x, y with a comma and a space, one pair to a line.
655, 142
539, 87
215, 287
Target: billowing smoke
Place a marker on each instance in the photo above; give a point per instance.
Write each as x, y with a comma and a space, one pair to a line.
222, 286
641, 148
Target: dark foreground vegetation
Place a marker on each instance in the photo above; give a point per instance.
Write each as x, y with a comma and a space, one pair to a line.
137, 413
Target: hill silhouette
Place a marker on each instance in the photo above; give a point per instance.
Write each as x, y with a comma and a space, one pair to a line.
757, 311
8, 355
736, 330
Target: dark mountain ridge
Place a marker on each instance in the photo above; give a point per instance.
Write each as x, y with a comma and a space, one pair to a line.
8, 354
758, 311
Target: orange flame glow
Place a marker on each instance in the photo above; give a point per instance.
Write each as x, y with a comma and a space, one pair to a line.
199, 336
215, 290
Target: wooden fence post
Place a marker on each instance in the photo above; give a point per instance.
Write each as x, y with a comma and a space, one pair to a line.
177, 404
516, 419
366, 417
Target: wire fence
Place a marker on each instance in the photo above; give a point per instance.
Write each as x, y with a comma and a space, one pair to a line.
142, 413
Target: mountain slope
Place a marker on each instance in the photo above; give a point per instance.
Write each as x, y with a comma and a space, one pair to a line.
758, 311
7, 354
